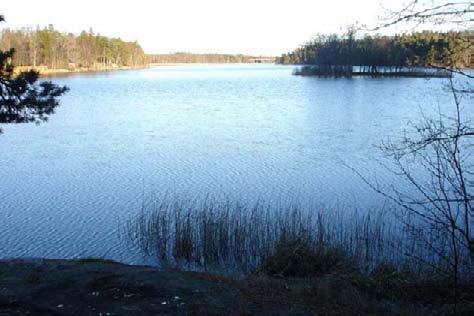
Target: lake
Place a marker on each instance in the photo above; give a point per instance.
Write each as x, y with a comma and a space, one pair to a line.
240, 132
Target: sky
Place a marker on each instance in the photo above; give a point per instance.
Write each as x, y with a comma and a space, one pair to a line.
257, 27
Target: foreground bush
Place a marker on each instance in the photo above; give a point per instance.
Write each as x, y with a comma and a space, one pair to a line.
296, 258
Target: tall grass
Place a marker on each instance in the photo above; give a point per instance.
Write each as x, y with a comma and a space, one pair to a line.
229, 235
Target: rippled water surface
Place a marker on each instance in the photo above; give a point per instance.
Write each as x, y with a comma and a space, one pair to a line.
246, 132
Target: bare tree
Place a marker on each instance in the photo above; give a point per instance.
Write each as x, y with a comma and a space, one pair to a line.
434, 161
437, 12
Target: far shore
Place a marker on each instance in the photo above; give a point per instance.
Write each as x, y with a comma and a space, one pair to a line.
46, 72
187, 64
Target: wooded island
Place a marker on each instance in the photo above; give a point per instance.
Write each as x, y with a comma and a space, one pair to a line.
347, 55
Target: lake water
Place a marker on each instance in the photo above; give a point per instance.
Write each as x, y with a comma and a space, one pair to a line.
243, 132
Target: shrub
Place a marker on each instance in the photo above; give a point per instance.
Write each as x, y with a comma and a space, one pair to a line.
297, 258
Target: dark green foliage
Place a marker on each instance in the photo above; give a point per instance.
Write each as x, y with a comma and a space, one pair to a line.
22, 98
339, 54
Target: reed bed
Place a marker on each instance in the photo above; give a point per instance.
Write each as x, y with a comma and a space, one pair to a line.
232, 236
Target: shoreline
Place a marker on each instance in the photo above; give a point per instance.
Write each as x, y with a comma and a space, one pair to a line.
47, 72
94, 286
104, 287
188, 64
414, 72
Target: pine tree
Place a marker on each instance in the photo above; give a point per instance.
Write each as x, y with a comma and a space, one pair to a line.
23, 99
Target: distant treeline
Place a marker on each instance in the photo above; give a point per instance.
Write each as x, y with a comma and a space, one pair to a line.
335, 53
183, 58
50, 48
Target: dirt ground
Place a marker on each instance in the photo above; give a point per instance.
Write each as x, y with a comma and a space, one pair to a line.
96, 287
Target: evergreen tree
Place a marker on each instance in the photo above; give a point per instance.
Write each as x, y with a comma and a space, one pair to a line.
422, 49
23, 99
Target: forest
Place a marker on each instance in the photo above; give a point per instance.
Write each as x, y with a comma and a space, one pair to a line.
335, 54
184, 58
49, 48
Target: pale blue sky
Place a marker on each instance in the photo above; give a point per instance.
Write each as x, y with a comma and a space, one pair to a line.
268, 27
